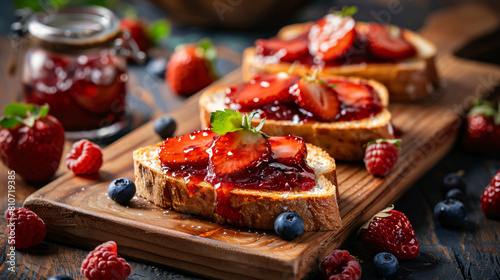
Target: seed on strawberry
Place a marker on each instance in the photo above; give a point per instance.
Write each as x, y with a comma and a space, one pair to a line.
31, 141
85, 158
388, 42
381, 155
317, 97
339, 264
238, 150
288, 149
187, 150
490, 200
262, 90
331, 36
287, 50
390, 231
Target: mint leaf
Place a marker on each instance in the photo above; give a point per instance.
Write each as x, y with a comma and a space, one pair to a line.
159, 30
9, 122
225, 121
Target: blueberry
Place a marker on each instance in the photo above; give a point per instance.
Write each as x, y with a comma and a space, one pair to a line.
453, 181
455, 194
385, 264
165, 126
450, 213
60, 277
157, 67
121, 190
289, 225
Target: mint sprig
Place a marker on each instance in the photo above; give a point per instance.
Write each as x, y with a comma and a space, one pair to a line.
347, 11
226, 121
396, 142
18, 113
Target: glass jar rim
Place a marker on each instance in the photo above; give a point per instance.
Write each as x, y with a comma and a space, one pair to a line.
89, 25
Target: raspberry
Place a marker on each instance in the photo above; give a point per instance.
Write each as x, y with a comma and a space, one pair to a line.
381, 155
28, 229
85, 158
103, 263
340, 265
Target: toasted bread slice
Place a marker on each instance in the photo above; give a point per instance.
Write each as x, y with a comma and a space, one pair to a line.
317, 207
343, 140
407, 80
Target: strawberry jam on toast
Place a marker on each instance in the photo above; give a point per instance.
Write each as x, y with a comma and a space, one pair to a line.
234, 167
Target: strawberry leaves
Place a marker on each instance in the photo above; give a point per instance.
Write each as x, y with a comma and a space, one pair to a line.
226, 121
487, 109
17, 113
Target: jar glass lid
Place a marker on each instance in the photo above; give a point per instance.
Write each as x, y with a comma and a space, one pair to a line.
79, 25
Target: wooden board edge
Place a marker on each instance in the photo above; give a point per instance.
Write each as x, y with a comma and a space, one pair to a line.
82, 228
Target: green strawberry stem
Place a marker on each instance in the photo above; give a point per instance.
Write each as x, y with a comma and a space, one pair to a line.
18, 113
228, 120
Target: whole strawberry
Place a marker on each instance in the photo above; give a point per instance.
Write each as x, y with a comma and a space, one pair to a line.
390, 231
381, 155
490, 200
25, 226
138, 31
483, 128
190, 68
103, 263
31, 141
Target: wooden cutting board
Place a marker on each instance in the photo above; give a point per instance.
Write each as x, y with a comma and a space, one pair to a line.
77, 210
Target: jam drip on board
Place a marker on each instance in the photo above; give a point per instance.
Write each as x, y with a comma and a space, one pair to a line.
193, 157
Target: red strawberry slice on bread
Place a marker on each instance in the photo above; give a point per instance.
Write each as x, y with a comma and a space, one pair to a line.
238, 150
187, 150
317, 97
285, 49
352, 94
262, 90
288, 149
331, 36
388, 42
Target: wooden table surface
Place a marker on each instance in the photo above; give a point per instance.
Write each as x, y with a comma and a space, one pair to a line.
472, 252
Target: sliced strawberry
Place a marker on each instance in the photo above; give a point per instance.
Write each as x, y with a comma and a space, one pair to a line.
387, 42
286, 49
238, 150
352, 94
331, 36
187, 150
316, 97
288, 149
263, 90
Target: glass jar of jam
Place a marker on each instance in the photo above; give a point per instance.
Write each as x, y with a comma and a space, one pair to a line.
75, 64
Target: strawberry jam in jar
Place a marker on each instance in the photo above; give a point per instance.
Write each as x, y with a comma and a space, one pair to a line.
75, 64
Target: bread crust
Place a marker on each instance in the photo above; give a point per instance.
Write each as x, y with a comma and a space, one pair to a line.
408, 80
342, 140
318, 207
